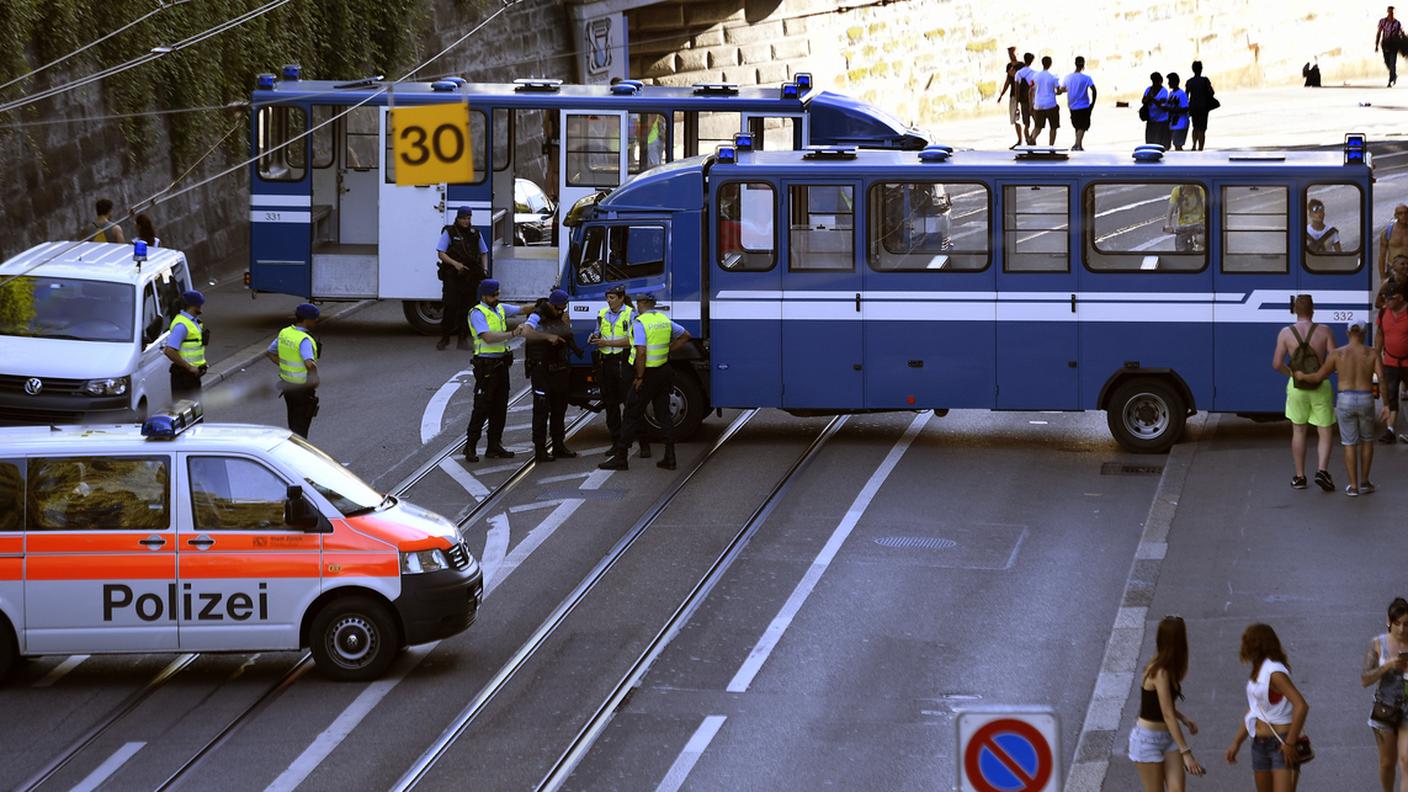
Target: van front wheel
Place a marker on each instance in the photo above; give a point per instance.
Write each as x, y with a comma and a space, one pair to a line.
354, 639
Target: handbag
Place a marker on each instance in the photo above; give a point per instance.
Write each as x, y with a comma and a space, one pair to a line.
1144, 108
1305, 753
1213, 104
1386, 714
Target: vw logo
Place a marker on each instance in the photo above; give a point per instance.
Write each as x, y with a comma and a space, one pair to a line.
33, 386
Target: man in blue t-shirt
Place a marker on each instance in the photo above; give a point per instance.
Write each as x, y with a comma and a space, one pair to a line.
1080, 99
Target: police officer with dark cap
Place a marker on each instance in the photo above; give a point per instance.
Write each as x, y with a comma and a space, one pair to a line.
295, 352
548, 334
488, 323
654, 337
613, 358
185, 347
461, 250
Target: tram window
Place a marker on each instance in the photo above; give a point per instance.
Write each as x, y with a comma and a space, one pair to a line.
1342, 216
593, 151
646, 141
822, 227
1156, 227
11, 495
503, 139
1036, 221
1254, 229
776, 133
477, 135
362, 128
747, 238
276, 126
928, 227
621, 253
324, 131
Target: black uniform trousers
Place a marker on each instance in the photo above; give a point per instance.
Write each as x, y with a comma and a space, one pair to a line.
457, 296
613, 378
184, 384
549, 383
302, 405
490, 400
655, 392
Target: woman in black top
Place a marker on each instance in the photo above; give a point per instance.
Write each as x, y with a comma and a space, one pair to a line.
1200, 99
1157, 733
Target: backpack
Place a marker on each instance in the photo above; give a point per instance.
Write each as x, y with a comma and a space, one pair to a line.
1304, 358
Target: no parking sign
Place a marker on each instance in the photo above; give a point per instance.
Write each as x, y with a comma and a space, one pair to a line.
1009, 749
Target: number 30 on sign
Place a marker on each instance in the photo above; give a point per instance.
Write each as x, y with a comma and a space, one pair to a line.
432, 144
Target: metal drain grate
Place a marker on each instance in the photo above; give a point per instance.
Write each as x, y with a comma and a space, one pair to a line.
1121, 469
916, 542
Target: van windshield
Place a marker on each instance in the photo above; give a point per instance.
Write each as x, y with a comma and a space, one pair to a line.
348, 493
69, 308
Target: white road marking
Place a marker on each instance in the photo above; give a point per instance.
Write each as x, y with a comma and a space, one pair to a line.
433, 417
684, 763
109, 766
495, 548
565, 477
462, 476
759, 655
595, 479
518, 427
533, 540
61, 670
347, 720
523, 507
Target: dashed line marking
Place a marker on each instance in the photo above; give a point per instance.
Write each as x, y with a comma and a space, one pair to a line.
689, 756
61, 670
109, 766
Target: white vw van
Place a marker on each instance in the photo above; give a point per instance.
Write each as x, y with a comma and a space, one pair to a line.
81, 333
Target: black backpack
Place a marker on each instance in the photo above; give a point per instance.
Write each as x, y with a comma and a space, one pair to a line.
1304, 358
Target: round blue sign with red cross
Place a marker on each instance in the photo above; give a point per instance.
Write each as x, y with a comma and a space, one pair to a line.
1007, 754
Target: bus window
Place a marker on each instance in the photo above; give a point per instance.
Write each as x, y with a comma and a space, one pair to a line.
323, 135
646, 140
278, 125
1336, 247
1160, 227
477, 136
1254, 229
747, 239
927, 226
1036, 228
11, 495
593, 255
822, 235
593, 151
773, 133
636, 251
503, 138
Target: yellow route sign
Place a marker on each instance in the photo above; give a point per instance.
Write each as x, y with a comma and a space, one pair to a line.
431, 144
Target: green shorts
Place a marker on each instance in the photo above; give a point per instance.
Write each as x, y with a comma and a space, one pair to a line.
1310, 406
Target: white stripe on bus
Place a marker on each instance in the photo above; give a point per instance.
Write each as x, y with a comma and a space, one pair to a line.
280, 200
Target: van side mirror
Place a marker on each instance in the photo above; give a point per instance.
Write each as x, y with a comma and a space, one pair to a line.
298, 512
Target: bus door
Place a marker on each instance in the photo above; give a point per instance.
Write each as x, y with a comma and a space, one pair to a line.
777, 131
594, 147
409, 222
745, 290
1037, 328
822, 329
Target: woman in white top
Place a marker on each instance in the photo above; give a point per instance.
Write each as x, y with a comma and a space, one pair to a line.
1275, 713
1384, 665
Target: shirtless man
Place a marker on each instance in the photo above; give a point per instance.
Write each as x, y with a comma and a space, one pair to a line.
1356, 364
1393, 241
1305, 407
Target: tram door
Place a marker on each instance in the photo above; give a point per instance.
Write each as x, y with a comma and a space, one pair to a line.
594, 151
822, 332
408, 217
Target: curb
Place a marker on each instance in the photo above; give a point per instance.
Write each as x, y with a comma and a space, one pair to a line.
244, 358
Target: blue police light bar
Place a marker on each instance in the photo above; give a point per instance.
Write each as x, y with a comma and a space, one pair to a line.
803, 80
725, 155
743, 141
444, 85
935, 153
139, 251
460, 81
293, 72
1356, 147
168, 425
627, 87
264, 82
790, 90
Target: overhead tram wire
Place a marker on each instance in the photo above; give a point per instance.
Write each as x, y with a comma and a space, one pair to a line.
166, 194
161, 6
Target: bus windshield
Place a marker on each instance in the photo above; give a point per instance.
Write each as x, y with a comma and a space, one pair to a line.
67, 308
348, 493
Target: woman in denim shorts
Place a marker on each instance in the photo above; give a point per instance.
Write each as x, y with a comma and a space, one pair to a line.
1384, 664
1157, 733
1275, 715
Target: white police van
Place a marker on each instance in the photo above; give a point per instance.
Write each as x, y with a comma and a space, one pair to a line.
82, 326
177, 536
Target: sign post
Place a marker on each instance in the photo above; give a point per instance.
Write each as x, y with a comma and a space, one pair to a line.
1008, 749
431, 144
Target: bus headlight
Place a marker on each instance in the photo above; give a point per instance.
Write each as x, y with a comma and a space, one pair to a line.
422, 561
106, 387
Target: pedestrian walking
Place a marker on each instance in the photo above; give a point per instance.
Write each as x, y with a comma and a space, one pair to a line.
1306, 345
1356, 364
488, 323
1177, 113
1393, 240
1159, 729
1391, 344
1202, 99
1152, 110
146, 231
1384, 664
614, 358
1025, 75
1009, 90
1080, 100
104, 229
185, 347
295, 352
461, 251
1045, 109
1276, 713
549, 338
1388, 38
654, 337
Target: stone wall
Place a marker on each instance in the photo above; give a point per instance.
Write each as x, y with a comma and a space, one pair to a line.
927, 60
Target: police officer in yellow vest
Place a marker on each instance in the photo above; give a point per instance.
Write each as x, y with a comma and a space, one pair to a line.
654, 337
295, 352
613, 358
488, 323
185, 347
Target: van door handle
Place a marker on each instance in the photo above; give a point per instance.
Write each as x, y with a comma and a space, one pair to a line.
201, 542
153, 542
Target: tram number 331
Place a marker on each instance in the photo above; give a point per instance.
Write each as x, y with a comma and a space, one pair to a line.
433, 144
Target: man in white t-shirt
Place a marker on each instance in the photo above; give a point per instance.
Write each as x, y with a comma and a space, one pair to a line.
1044, 108
1080, 99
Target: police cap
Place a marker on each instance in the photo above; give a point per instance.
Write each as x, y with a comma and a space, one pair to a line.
617, 289
558, 298
306, 311
488, 286
192, 299
644, 297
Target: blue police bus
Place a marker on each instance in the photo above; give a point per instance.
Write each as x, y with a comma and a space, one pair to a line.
328, 221
836, 280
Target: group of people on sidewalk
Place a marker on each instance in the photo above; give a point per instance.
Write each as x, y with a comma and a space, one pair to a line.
1169, 113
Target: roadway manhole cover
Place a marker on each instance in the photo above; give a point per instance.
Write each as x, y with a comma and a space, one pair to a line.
1121, 469
916, 542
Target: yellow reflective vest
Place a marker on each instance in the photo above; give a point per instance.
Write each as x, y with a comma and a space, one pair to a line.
193, 347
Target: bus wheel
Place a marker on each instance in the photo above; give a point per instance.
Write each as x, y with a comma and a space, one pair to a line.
424, 315
353, 639
687, 407
1146, 415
